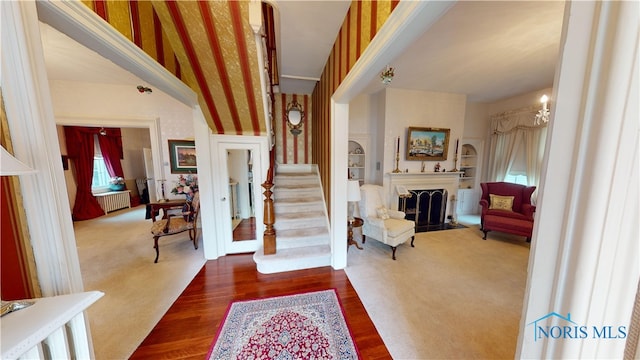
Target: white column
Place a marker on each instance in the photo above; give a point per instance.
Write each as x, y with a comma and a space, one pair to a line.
26, 92
585, 251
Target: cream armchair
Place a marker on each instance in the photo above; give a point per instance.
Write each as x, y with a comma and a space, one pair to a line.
383, 224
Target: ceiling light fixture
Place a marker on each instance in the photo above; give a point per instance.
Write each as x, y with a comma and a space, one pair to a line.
387, 75
295, 117
144, 89
543, 114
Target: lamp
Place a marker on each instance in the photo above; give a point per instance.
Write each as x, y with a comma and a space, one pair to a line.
295, 117
387, 75
9, 165
353, 196
543, 114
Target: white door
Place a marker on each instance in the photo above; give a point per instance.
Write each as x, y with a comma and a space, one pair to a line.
148, 173
240, 173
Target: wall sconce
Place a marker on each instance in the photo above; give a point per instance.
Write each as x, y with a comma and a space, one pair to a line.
144, 89
543, 114
102, 131
295, 117
387, 75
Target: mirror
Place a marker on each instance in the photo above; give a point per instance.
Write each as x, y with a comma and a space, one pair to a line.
241, 194
295, 117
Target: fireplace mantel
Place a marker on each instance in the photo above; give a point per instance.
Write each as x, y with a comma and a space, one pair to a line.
422, 180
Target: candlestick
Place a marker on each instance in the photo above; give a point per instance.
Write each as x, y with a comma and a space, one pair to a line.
397, 170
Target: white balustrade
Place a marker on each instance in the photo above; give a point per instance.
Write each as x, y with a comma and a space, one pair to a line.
51, 328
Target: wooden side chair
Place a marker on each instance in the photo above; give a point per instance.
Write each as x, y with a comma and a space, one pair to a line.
176, 223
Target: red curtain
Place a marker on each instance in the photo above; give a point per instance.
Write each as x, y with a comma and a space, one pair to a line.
111, 148
80, 148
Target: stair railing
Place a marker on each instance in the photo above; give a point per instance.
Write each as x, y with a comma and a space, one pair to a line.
269, 238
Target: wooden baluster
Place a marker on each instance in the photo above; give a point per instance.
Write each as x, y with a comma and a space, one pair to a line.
269, 238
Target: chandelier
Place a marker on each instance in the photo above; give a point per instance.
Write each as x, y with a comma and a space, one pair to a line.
543, 114
387, 75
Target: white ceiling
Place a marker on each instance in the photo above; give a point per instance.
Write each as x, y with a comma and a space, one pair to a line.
487, 50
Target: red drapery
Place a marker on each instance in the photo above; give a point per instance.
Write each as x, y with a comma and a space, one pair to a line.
80, 148
111, 147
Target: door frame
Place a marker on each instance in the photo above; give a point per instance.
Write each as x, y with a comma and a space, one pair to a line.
219, 145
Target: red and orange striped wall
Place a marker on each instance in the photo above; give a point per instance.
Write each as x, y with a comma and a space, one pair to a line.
292, 149
361, 24
215, 49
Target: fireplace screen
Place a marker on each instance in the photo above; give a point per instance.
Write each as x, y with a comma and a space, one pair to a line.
426, 207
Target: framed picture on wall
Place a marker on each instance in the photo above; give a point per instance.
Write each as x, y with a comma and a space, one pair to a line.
182, 156
427, 144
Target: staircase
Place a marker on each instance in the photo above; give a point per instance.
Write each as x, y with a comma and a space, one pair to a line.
302, 225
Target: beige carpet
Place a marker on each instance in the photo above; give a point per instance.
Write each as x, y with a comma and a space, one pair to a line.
116, 257
453, 296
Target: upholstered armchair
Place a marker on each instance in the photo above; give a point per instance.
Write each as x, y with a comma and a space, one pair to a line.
383, 224
179, 221
506, 207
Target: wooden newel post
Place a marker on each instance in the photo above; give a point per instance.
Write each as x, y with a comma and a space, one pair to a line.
269, 239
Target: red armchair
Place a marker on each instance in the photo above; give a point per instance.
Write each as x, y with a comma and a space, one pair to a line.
516, 219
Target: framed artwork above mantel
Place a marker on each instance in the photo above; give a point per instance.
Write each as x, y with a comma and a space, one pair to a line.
427, 144
182, 156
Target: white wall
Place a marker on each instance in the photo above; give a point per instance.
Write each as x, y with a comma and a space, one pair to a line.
73, 99
478, 118
133, 140
411, 108
388, 114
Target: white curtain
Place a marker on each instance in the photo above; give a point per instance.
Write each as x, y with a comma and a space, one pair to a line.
516, 145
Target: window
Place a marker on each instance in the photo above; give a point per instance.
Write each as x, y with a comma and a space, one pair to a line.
101, 176
516, 179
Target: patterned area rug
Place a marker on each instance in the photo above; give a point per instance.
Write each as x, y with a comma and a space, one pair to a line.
303, 326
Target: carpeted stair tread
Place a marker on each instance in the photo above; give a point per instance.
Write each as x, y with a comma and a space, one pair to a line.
300, 215
298, 186
305, 241
293, 259
300, 200
320, 231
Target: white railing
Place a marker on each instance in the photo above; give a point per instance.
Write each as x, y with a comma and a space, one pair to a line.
52, 328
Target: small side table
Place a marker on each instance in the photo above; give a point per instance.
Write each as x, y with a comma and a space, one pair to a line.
357, 222
167, 205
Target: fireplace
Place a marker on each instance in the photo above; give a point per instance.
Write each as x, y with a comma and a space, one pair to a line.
430, 200
427, 207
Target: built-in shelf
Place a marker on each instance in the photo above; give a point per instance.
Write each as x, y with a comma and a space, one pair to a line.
468, 160
356, 161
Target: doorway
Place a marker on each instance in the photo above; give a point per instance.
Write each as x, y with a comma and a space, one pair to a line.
242, 164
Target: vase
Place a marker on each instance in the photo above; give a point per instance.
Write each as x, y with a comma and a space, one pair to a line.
116, 187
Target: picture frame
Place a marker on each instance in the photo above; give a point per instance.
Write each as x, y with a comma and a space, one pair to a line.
182, 156
427, 144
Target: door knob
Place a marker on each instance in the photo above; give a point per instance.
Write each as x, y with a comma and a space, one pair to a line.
224, 199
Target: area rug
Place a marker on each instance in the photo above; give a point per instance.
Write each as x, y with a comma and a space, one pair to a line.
302, 326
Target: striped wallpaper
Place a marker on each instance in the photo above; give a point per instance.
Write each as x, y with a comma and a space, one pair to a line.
362, 22
209, 45
292, 149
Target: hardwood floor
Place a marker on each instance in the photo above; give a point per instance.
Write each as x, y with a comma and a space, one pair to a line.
189, 327
246, 230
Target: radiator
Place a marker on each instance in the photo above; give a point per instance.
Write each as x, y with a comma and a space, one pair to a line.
114, 200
